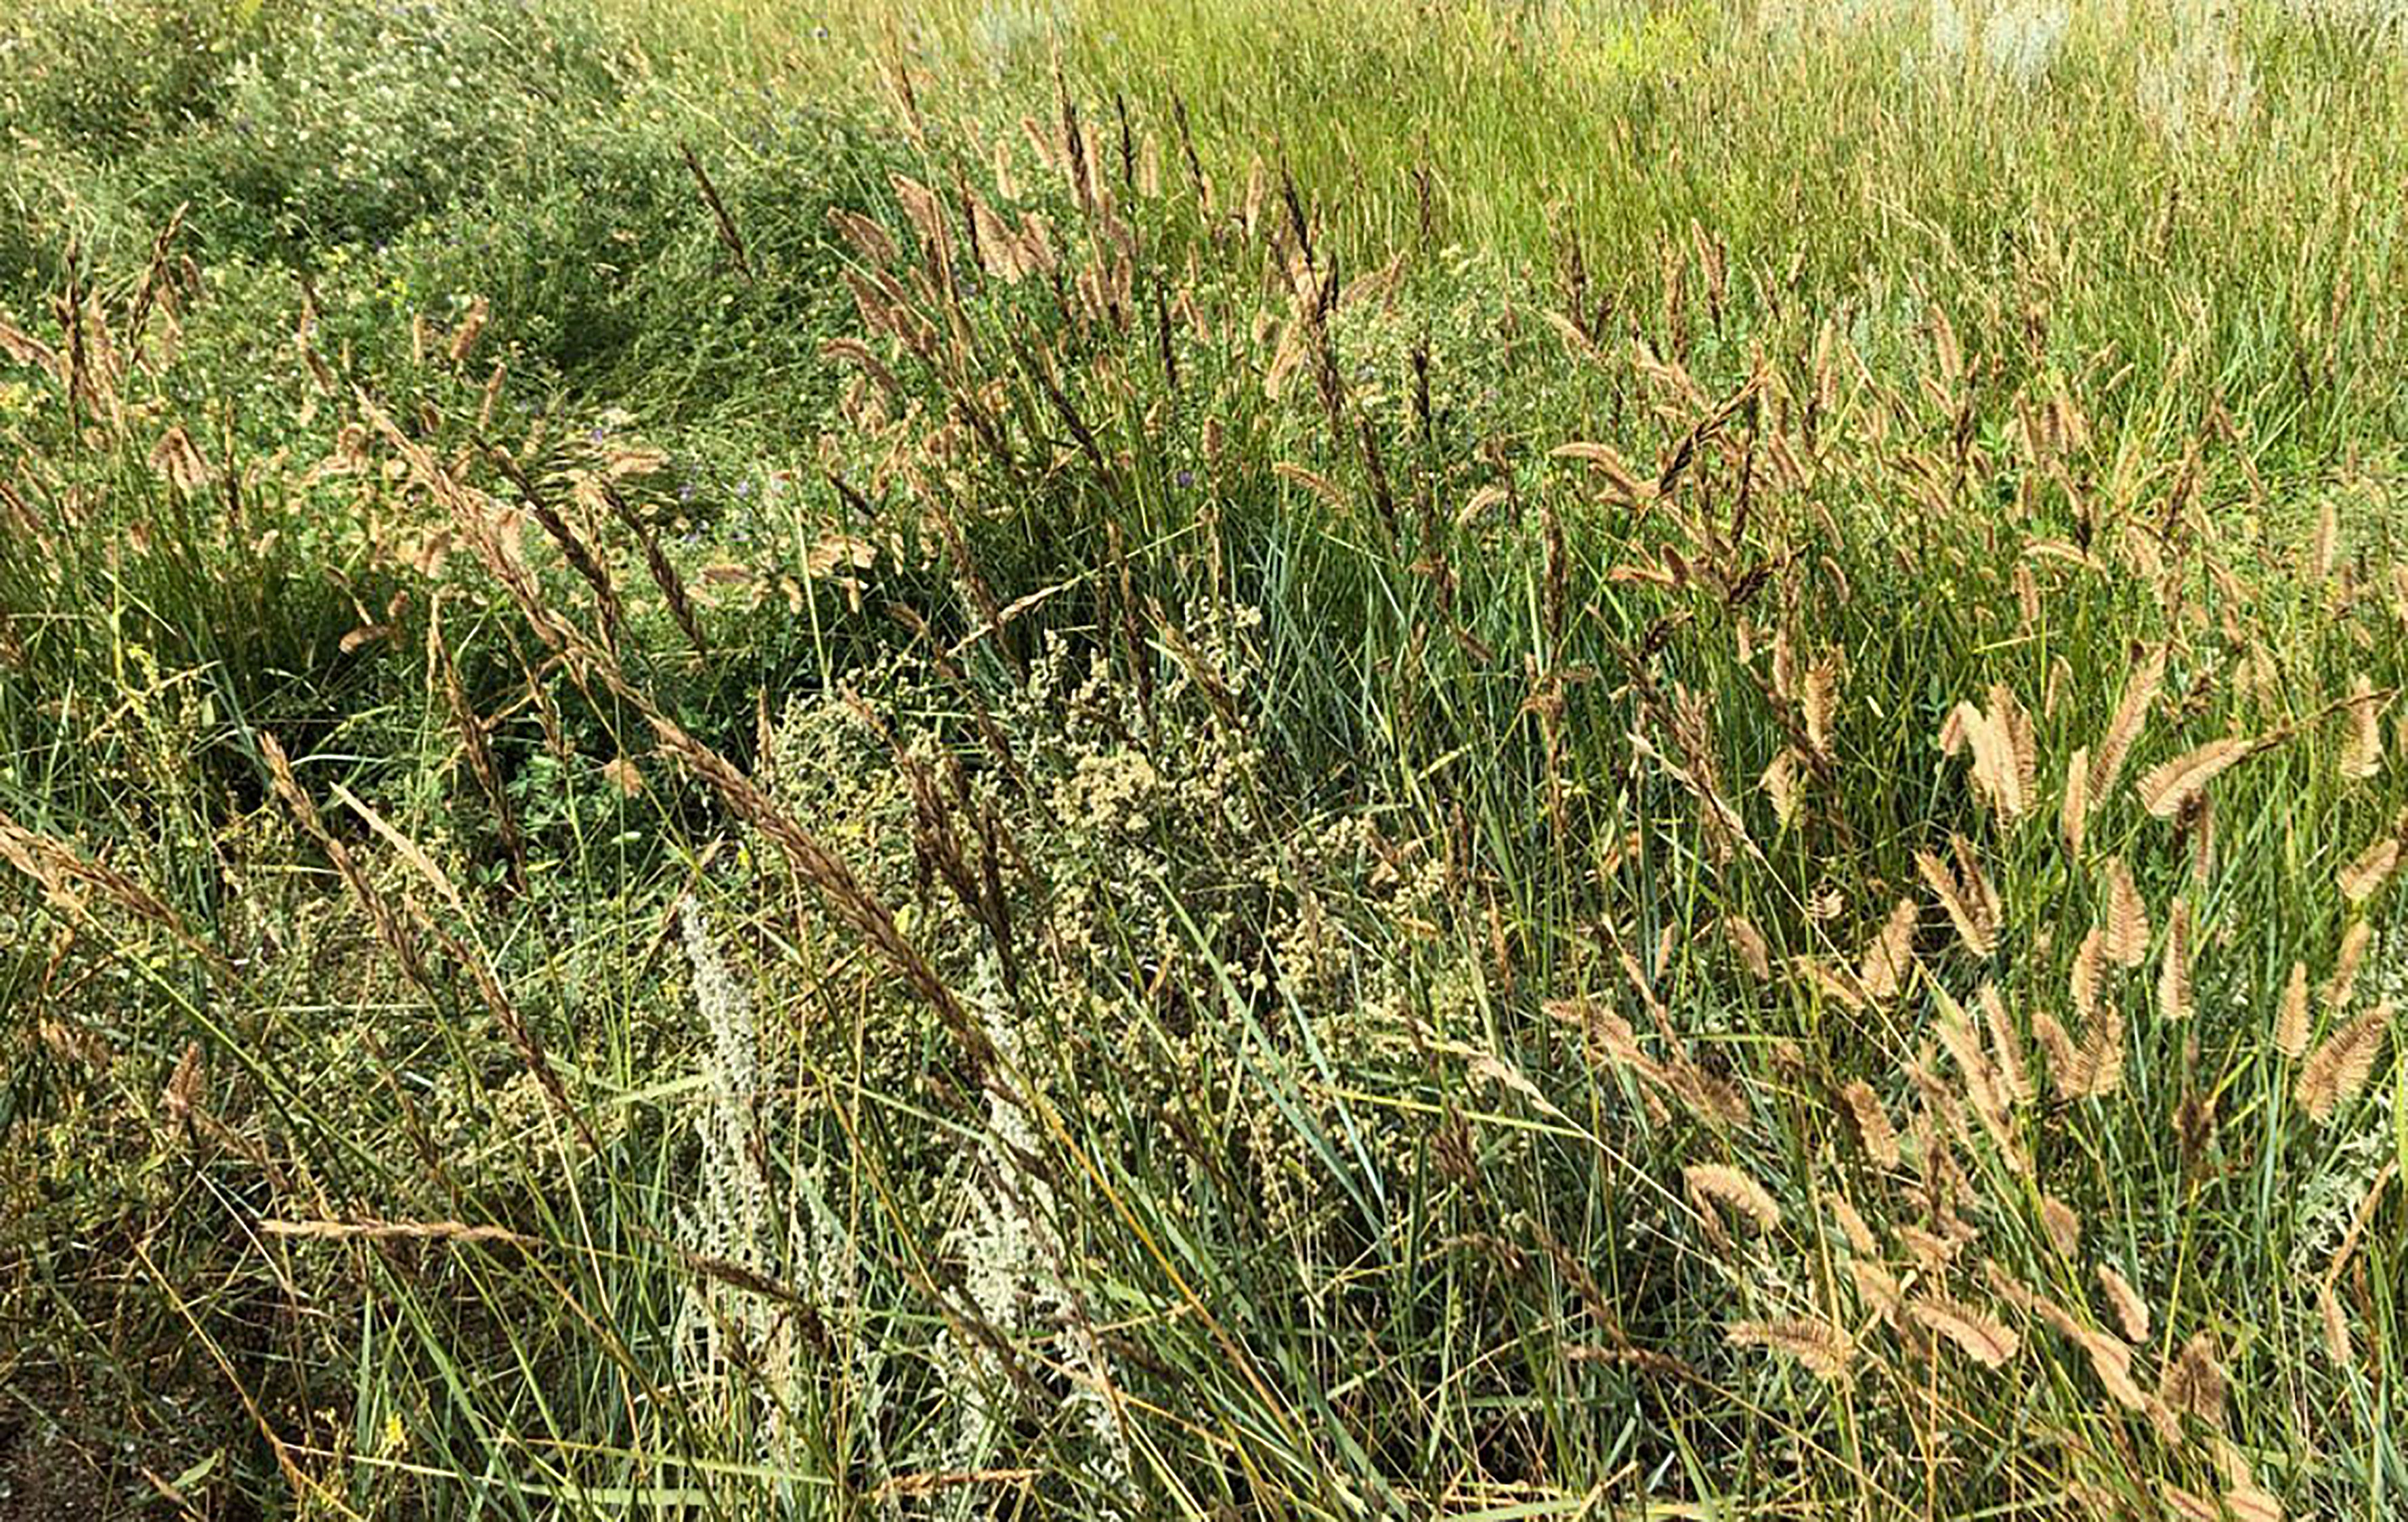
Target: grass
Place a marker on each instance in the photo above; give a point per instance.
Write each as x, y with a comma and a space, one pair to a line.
1330, 760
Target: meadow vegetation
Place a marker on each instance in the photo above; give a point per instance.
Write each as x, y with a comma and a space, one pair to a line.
1350, 758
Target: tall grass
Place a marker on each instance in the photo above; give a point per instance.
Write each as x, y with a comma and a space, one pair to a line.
2225, 238
1660, 776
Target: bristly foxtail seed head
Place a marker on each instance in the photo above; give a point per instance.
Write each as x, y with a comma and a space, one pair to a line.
2174, 969
2131, 714
1712, 1183
2171, 787
2126, 925
2338, 1070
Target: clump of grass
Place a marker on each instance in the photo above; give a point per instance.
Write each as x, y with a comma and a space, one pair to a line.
1275, 881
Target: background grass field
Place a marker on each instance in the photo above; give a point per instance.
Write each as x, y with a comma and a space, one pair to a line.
1338, 759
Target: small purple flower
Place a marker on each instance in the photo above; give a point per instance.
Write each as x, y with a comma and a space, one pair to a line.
685, 492
1186, 478
596, 435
